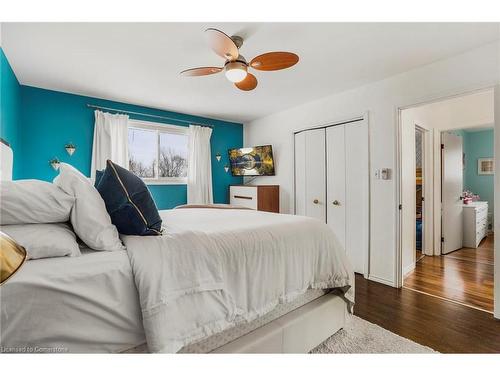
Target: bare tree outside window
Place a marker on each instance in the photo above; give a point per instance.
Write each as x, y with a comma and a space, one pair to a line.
158, 153
140, 169
171, 163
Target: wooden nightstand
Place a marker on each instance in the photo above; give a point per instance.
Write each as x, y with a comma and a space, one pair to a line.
256, 197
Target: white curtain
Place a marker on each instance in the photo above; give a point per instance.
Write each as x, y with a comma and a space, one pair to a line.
110, 141
199, 188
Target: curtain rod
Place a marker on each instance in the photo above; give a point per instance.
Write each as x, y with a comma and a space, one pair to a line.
147, 115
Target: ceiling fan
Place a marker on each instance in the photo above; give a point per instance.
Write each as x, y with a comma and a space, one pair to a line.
236, 66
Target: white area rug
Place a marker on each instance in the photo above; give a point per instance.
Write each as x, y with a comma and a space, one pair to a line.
361, 336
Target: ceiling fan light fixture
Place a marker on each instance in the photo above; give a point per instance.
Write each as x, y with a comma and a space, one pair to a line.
236, 71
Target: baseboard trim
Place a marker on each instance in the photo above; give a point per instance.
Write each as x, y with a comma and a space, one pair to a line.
408, 269
381, 280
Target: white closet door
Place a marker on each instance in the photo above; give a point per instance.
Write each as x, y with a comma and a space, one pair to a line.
310, 179
357, 194
336, 182
300, 174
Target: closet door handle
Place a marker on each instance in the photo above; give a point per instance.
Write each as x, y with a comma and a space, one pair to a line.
315, 201
336, 203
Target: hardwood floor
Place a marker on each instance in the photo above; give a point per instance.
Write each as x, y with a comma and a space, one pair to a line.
483, 254
444, 326
465, 276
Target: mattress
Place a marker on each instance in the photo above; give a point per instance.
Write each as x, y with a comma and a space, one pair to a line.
89, 304
80, 304
213, 267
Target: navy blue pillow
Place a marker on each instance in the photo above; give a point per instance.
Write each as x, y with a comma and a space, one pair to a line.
98, 175
128, 202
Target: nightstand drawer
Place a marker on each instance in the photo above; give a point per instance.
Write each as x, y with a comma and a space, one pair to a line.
245, 196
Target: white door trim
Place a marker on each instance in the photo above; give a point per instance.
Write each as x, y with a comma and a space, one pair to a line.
437, 185
428, 241
496, 286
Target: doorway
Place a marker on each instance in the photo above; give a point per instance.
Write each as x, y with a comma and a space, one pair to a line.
455, 262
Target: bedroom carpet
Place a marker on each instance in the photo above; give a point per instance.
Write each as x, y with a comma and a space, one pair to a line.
361, 336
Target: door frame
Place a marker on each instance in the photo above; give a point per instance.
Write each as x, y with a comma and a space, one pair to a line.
424, 216
408, 202
496, 213
427, 190
355, 118
437, 186
495, 86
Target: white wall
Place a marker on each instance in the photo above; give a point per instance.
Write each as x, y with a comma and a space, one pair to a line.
473, 69
468, 111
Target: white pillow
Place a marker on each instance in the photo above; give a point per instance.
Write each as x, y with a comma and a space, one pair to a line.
44, 240
90, 220
33, 201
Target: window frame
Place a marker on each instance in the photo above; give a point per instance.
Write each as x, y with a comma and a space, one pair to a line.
159, 127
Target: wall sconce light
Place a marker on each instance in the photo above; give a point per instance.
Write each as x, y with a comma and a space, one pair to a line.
226, 168
218, 156
55, 163
70, 148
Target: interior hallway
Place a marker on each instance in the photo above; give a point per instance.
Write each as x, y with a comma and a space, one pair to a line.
464, 275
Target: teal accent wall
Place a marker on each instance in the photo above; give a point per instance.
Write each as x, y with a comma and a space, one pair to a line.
10, 109
50, 119
479, 144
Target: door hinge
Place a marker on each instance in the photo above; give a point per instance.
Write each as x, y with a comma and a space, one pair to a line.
423, 199
442, 146
400, 206
442, 239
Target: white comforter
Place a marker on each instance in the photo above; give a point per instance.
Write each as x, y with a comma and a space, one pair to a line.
213, 268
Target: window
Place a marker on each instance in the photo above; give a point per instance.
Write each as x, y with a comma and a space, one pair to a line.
158, 153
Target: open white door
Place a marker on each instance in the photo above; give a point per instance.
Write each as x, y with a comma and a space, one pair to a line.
452, 187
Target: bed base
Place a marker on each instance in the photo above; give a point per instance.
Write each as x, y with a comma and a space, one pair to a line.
298, 331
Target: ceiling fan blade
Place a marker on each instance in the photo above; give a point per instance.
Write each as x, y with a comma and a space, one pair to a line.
222, 44
204, 71
274, 61
249, 83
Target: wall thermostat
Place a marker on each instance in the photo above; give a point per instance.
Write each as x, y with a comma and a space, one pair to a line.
383, 174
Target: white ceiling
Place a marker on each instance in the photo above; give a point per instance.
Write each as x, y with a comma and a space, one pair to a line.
139, 63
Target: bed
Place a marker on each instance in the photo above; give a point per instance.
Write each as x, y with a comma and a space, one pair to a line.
218, 280
73, 304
